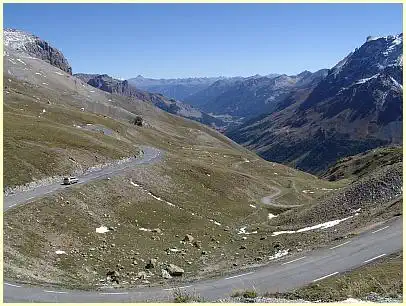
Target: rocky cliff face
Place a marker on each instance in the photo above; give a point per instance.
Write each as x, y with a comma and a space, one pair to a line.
356, 107
36, 47
377, 61
111, 85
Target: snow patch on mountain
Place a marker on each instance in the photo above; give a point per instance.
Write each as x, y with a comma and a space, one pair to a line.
16, 39
396, 83
395, 42
367, 79
371, 38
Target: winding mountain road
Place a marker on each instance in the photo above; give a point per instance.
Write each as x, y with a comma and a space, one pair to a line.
280, 275
150, 156
269, 198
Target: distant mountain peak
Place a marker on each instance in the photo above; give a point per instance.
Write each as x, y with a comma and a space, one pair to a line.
376, 54
388, 37
370, 38
304, 73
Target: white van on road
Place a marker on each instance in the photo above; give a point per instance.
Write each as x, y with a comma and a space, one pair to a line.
70, 180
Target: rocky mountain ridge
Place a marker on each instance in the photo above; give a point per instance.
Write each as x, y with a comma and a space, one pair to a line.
179, 88
249, 97
30, 44
356, 107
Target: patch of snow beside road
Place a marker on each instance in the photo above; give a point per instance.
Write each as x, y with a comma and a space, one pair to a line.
279, 254
317, 226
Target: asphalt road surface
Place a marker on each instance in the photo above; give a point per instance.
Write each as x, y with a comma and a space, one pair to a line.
284, 274
281, 275
150, 156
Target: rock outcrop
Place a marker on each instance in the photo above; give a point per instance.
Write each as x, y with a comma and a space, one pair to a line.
35, 47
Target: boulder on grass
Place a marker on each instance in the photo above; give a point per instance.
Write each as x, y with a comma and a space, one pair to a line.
165, 274
188, 238
175, 270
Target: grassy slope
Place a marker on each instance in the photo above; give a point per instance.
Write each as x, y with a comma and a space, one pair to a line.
38, 145
357, 166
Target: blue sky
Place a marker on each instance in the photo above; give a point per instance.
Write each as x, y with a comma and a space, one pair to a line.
182, 40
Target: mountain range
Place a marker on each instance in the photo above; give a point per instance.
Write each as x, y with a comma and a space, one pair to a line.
179, 88
248, 97
308, 120
125, 88
356, 107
